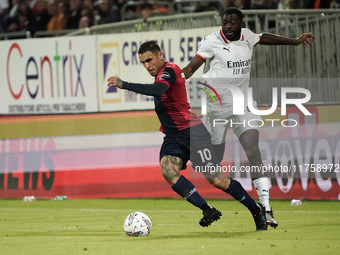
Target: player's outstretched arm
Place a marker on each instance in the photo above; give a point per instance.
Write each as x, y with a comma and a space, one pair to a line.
191, 68
307, 39
155, 89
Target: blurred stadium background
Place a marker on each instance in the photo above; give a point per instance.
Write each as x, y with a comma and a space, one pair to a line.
64, 133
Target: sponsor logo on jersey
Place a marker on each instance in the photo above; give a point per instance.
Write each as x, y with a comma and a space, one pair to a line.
228, 49
164, 75
240, 63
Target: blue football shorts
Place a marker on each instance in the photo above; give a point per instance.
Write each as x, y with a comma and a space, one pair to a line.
192, 144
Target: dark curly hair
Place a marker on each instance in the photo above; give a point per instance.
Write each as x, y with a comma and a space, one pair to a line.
233, 10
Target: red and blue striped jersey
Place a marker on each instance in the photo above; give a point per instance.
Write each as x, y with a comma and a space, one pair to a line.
172, 107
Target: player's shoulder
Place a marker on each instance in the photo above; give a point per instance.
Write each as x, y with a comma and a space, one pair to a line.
171, 66
209, 41
247, 32
212, 37
170, 70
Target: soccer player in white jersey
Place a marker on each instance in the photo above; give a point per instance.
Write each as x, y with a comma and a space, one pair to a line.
227, 57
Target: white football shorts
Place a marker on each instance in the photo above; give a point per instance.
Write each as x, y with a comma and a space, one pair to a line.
217, 125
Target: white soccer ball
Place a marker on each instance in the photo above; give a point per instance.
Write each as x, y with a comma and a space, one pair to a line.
137, 224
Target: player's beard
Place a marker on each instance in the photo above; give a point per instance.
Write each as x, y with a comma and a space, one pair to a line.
236, 36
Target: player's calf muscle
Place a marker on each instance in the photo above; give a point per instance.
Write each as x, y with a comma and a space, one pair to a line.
171, 166
253, 154
220, 181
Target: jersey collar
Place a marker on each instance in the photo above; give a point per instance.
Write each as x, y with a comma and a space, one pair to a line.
226, 40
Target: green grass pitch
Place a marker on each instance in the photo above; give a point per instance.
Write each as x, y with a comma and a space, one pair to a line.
95, 226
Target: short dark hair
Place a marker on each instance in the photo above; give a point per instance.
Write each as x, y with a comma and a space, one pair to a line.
149, 46
233, 10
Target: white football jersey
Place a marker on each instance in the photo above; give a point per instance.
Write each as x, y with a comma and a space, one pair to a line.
228, 62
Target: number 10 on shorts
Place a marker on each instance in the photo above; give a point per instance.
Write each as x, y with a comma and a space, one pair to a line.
205, 154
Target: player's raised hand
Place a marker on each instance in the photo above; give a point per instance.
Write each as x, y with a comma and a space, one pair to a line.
307, 39
114, 81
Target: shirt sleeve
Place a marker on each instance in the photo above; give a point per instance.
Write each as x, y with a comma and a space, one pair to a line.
163, 82
155, 89
204, 50
253, 38
167, 76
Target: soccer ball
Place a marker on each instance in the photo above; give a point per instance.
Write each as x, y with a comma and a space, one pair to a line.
137, 224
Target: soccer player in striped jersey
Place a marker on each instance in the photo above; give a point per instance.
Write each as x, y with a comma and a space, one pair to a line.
185, 136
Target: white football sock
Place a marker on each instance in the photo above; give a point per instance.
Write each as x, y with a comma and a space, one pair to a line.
262, 188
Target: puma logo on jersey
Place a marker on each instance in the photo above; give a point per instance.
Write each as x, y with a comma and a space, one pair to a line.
228, 49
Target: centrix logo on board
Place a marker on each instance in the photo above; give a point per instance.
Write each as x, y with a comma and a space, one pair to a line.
45, 76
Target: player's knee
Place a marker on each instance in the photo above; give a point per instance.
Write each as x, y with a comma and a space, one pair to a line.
170, 174
168, 178
171, 167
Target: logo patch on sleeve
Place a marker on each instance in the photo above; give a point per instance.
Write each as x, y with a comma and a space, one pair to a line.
164, 75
